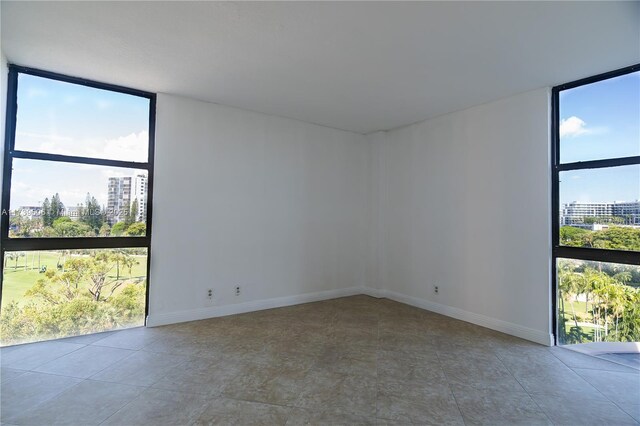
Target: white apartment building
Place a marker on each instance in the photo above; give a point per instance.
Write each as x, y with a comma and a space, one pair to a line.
118, 199
140, 187
574, 213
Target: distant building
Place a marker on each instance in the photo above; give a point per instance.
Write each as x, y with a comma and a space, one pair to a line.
140, 188
30, 212
574, 213
118, 199
72, 212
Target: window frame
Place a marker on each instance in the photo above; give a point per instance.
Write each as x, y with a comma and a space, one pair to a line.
10, 153
579, 253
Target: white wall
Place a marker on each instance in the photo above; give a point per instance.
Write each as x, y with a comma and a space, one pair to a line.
295, 212
277, 206
466, 201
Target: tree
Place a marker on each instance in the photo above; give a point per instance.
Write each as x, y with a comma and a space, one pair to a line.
614, 237
65, 227
572, 236
118, 229
57, 208
100, 280
137, 229
133, 212
22, 226
91, 214
105, 230
46, 213
617, 237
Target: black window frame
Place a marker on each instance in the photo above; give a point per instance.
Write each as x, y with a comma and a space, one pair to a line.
71, 243
579, 253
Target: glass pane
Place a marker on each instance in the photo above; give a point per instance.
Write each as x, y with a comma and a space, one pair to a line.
597, 302
51, 199
600, 208
601, 120
70, 119
54, 294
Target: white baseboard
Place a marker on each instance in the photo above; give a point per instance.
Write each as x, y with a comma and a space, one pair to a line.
154, 320
373, 292
478, 319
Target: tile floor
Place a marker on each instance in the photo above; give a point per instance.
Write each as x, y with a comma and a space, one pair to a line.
355, 360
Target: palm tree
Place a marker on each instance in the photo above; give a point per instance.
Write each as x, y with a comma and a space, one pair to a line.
9, 256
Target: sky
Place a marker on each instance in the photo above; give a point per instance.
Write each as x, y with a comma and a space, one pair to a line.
70, 119
597, 121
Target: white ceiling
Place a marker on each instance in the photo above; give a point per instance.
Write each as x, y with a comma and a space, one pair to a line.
354, 66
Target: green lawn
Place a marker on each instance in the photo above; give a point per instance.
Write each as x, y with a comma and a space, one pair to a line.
17, 281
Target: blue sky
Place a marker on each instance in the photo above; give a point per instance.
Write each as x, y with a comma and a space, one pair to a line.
601, 120
69, 119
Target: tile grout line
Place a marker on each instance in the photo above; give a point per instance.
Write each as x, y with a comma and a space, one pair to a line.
451, 389
525, 389
585, 380
52, 359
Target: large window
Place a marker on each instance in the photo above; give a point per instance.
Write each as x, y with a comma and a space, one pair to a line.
76, 206
596, 208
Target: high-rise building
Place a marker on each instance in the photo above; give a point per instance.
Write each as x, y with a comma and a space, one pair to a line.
119, 199
573, 213
140, 188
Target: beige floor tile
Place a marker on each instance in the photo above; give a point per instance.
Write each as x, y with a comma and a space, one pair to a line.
200, 376
86, 339
7, 374
578, 360
618, 387
223, 411
30, 356
389, 422
87, 403
572, 411
531, 361
160, 407
406, 342
418, 402
271, 384
353, 360
140, 368
632, 409
339, 393
560, 383
481, 373
84, 362
409, 366
133, 338
303, 417
482, 407
28, 391
625, 359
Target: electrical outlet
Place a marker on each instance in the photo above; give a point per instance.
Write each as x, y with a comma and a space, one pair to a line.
237, 290
435, 289
210, 294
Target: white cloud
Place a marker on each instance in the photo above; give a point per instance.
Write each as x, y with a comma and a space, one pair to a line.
133, 147
573, 126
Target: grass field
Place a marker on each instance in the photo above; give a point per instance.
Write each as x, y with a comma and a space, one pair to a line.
16, 281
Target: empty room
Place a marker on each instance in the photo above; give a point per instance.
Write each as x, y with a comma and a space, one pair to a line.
320, 213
